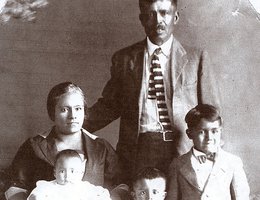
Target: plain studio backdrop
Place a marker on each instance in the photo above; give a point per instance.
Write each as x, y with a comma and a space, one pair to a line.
74, 41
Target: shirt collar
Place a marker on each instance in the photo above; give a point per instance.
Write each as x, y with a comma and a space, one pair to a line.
165, 47
197, 153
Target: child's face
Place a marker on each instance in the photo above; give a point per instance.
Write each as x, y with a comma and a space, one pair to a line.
206, 136
149, 189
69, 170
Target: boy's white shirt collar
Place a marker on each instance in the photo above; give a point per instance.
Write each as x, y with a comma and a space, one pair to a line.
197, 153
165, 47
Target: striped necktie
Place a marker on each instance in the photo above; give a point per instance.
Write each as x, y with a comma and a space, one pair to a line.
156, 90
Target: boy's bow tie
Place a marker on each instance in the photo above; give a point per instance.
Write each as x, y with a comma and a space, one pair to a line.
203, 158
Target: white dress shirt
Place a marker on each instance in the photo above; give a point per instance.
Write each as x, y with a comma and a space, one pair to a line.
202, 170
149, 121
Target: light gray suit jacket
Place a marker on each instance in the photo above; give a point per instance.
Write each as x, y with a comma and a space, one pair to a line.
190, 81
226, 181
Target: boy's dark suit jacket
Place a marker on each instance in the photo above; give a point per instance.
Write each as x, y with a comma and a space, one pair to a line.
227, 180
189, 82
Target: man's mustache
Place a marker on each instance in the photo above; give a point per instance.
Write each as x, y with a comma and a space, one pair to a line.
160, 26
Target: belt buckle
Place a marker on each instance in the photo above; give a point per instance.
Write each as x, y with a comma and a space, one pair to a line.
164, 136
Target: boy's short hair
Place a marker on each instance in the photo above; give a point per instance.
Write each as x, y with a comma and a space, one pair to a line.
202, 111
148, 173
67, 153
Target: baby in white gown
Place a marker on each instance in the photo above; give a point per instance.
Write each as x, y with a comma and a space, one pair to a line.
68, 185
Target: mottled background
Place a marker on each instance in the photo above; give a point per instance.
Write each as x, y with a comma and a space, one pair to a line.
74, 40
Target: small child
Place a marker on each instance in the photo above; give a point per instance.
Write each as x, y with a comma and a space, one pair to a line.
150, 183
207, 171
68, 171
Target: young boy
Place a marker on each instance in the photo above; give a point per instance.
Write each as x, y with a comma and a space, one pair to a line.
150, 183
68, 171
207, 171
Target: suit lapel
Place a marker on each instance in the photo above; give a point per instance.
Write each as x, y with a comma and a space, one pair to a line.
136, 63
188, 172
218, 171
178, 61
94, 153
89, 148
46, 148
136, 67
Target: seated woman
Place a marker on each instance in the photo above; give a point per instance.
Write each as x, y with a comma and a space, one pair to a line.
35, 158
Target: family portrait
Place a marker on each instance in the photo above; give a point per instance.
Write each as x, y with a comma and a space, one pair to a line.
129, 100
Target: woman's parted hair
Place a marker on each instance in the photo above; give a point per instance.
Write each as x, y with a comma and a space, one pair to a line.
59, 90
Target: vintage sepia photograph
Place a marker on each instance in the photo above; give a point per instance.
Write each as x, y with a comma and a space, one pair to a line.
129, 99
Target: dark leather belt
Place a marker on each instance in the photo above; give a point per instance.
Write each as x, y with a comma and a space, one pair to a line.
166, 136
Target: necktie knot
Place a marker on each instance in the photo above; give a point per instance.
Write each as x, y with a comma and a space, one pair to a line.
157, 51
203, 158
155, 59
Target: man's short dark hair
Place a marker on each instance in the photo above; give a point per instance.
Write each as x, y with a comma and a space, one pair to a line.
202, 111
148, 173
142, 3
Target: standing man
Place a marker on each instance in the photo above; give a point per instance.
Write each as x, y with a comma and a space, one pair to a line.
153, 84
